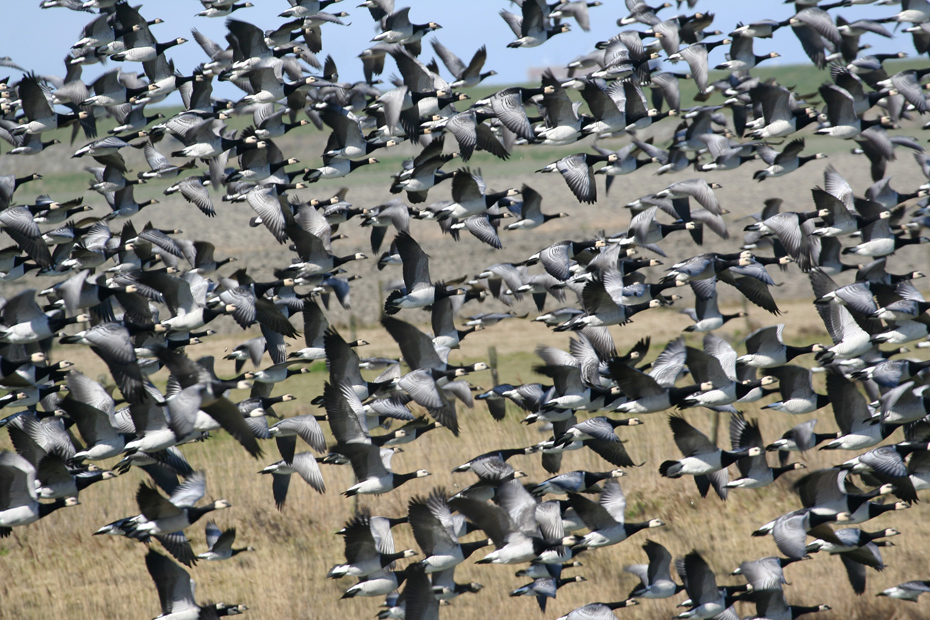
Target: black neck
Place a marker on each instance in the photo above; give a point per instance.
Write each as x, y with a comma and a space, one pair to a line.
778, 471
799, 610
399, 479
387, 558
632, 528
742, 389
618, 605
793, 352
727, 457
47, 509
469, 548
677, 395
193, 514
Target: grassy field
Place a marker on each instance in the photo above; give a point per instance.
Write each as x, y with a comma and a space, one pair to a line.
61, 569
804, 79
56, 568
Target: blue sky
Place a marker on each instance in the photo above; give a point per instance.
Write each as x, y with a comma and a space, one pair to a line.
39, 39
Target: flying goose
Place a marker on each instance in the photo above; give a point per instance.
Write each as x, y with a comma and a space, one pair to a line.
784, 162
841, 115
765, 573
608, 106
781, 116
903, 404
397, 28
772, 604
599, 434
857, 550
377, 584
369, 547
765, 348
606, 518
655, 577
372, 467
344, 365
849, 339
24, 322
887, 464
878, 240
515, 543
482, 460
224, 9
470, 196
655, 391
705, 314
707, 601
311, 234
200, 405
545, 588
220, 544
573, 374
908, 591
93, 411
421, 596
176, 592
207, 139
346, 140
161, 515
714, 370
797, 392
831, 491
275, 373
112, 343
532, 28
577, 171
335, 168
705, 266
597, 611
304, 464
741, 56
20, 504
41, 117
799, 438
790, 530
465, 76
141, 47
445, 333
647, 232
575, 482
696, 57
419, 289
433, 528
754, 470
853, 417
420, 174
702, 459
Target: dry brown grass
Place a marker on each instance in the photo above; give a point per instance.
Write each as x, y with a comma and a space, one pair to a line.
56, 568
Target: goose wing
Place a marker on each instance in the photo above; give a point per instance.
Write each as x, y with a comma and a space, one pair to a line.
690, 441
174, 585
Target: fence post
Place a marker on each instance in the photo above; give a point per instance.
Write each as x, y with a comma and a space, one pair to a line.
714, 427
746, 311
